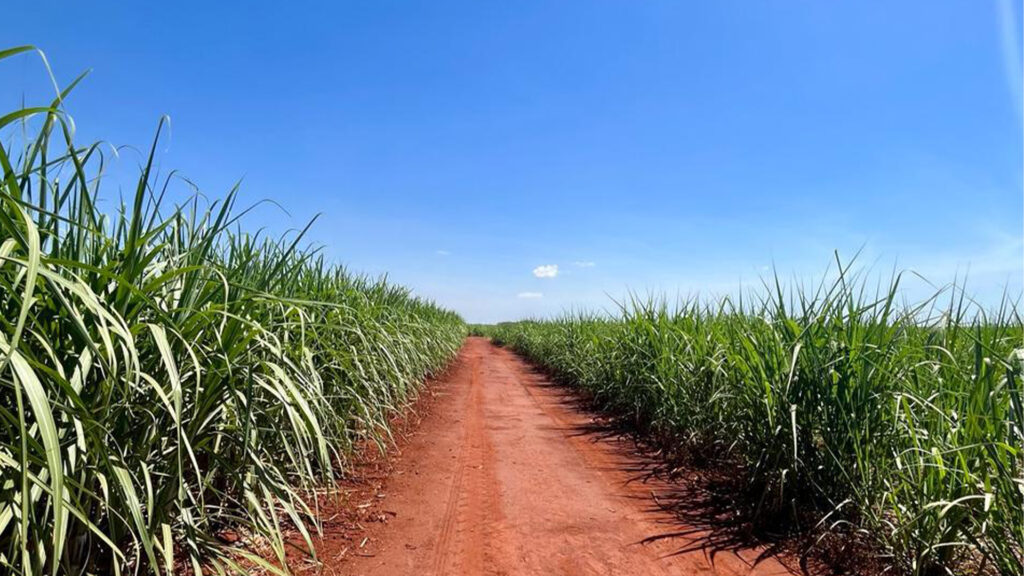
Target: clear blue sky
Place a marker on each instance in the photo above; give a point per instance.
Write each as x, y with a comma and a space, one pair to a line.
677, 147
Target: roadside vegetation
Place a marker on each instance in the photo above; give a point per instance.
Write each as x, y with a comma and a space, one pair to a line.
166, 376
901, 425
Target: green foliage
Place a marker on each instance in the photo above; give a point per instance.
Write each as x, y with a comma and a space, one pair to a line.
479, 329
904, 420
164, 375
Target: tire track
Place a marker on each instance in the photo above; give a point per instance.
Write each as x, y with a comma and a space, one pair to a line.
444, 550
464, 545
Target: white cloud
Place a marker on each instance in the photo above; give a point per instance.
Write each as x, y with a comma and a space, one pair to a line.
443, 253
584, 264
530, 295
546, 271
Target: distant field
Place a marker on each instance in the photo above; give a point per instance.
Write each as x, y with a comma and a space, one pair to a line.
899, 425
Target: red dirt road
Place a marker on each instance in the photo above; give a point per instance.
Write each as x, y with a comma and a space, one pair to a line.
500, 480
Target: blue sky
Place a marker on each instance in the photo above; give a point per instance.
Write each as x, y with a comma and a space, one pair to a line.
650, 146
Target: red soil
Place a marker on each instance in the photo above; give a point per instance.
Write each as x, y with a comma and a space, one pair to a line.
502, 477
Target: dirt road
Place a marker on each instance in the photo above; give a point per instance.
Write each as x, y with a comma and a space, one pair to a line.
502, 479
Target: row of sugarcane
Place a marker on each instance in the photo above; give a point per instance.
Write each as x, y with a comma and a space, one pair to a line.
166, 377
900, 425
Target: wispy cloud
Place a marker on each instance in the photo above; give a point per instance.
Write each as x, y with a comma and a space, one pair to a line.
1010, 40
584, 264
1000, 259
530, 295
546, 271
443, 253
